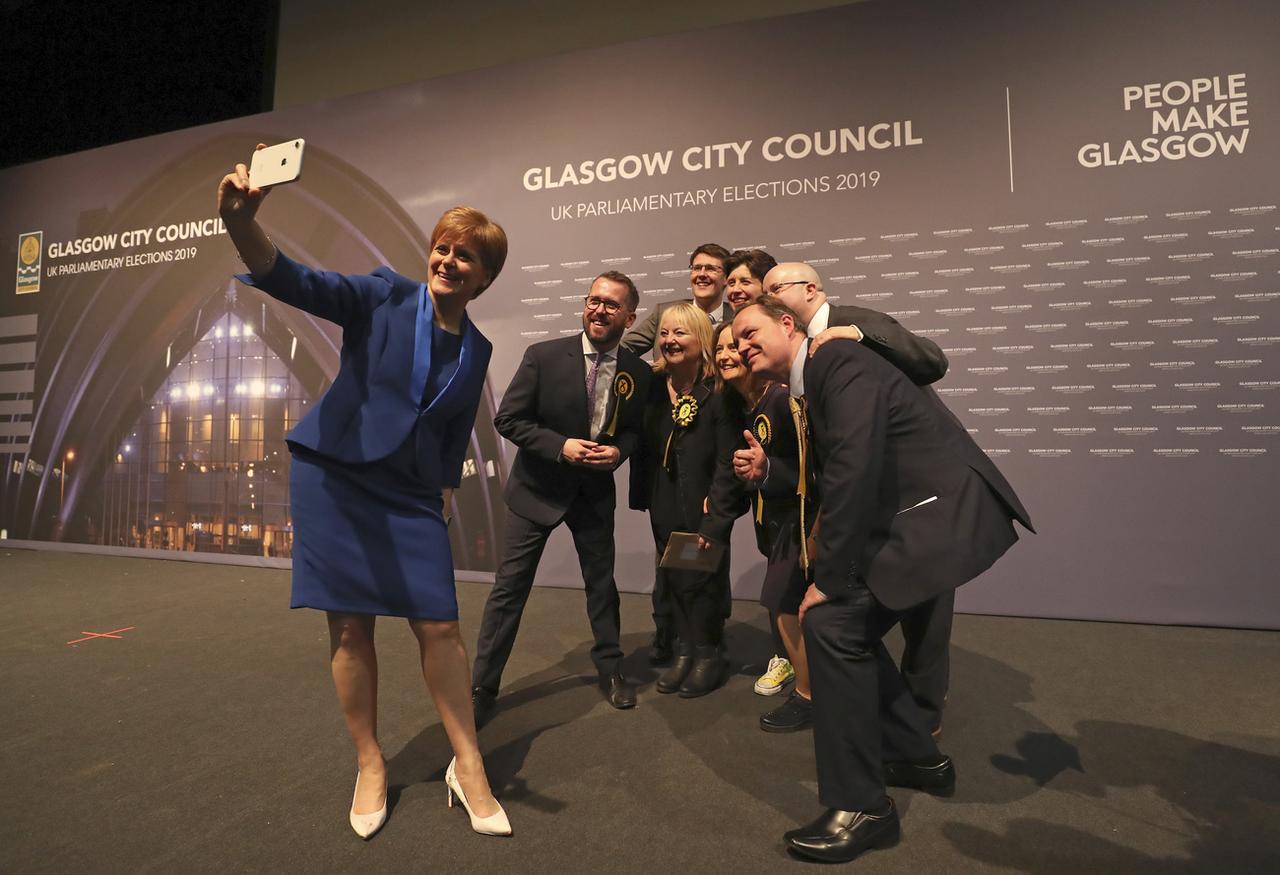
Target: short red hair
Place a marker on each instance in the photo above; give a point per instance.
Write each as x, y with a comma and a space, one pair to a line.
468, 223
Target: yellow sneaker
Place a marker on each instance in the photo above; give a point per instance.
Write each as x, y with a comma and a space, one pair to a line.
776, 677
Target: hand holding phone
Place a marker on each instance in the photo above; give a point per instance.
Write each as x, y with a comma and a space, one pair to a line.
276, 165
239, 198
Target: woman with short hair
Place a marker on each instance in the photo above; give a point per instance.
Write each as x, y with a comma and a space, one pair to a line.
374, 465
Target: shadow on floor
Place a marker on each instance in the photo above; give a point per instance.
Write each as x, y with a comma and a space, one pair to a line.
1225, 802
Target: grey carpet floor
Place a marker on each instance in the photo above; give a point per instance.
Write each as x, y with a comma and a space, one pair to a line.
206, 738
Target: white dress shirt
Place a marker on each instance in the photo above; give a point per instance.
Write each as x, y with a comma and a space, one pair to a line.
796, 384
818, 323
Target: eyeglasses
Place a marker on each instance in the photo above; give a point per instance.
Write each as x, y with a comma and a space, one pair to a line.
705, 268
610, 307
776, 286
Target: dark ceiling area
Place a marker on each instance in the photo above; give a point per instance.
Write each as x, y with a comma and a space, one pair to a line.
77, 75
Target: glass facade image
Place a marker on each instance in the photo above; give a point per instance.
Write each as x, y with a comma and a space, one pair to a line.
205, 467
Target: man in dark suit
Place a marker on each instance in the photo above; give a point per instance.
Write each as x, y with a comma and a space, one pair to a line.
911, 508
570, 441
706, 282
926, 628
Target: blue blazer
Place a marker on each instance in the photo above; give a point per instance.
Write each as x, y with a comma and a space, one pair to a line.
376, 398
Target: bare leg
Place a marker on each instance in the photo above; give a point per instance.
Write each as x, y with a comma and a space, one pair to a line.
447, 673
793, 640
355, 677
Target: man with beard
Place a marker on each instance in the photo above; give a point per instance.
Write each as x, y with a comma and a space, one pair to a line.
706, 282
911, 508
570, 441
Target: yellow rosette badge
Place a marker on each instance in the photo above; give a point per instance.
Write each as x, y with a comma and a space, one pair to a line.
763, 429
624, 386
684, 411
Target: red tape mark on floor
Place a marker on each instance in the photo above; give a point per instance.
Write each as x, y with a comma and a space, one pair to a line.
114, 633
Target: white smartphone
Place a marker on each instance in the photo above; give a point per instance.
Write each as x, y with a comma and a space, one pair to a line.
278, 164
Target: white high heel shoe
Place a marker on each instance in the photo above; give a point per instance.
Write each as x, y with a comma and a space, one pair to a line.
366, 825
495, 824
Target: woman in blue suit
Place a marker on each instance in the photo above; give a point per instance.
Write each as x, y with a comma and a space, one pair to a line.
374, 465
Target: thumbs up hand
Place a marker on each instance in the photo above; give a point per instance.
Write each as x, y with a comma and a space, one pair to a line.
751, 465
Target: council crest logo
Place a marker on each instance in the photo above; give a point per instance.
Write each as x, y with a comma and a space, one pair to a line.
29, 247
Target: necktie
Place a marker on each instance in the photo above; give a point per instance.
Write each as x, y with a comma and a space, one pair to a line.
800, 418
591, 388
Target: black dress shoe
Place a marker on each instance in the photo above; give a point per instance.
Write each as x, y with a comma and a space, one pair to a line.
791, 716
839, 836
662, 649
671, 679
709, 671
617, 692
483, 704
935, 778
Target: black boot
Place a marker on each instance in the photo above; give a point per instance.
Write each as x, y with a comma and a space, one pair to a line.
709, 671
671, 679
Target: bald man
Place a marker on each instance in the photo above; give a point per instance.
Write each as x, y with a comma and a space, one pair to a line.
798, 286
926, 628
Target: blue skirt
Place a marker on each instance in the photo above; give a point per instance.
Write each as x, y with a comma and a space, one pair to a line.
369, 538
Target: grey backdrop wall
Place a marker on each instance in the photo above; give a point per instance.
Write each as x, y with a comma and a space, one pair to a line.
393, 42
1078, 204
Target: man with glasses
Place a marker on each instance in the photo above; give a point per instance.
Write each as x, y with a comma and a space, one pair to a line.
706, 281
798, 285
570, 441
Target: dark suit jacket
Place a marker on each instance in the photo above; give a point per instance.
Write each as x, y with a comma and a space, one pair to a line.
775, 505
374, 402
918, 357
701, 455
642, 338
545, 405
910, 504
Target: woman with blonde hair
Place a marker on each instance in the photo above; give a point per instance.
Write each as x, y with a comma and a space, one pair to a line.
685, 480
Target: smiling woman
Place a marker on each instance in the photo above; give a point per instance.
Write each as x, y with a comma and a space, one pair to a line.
373, 468
684, 479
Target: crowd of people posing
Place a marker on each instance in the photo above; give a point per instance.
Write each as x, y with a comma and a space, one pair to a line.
702, 407
870, 501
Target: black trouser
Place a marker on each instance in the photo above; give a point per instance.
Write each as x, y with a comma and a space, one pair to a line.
664, 623
694, 598
690, 605
522, 548
926, 658
863, 714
